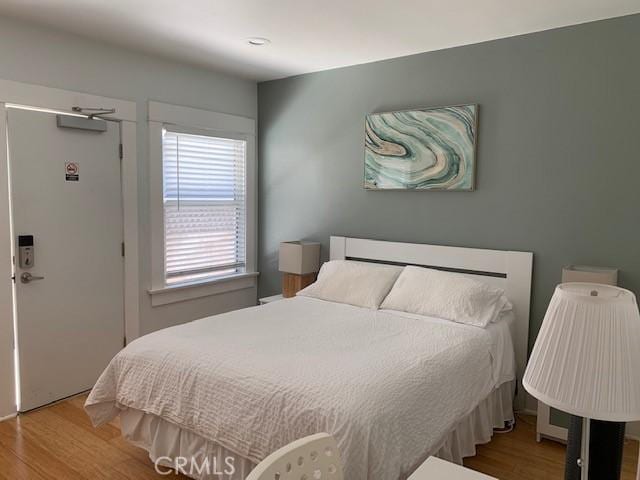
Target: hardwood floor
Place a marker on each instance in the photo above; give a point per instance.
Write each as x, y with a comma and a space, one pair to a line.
517, 455
59, 442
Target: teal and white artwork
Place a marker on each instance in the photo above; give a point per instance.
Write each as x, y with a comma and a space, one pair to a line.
428, 149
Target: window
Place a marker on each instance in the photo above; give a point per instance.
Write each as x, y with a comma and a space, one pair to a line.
202, 211
204, 200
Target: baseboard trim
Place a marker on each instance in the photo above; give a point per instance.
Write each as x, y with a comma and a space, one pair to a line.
527, 411
9, 417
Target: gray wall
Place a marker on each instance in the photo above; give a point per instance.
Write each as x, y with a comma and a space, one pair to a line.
558, 153
35, 54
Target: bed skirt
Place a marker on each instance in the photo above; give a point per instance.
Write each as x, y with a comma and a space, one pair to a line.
477, 428
170, 446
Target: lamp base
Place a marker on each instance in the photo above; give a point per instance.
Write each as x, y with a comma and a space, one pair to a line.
605, 450
292, 283
572, 469
606, 441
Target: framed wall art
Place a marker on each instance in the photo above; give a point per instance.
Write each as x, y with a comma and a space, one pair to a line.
424, 149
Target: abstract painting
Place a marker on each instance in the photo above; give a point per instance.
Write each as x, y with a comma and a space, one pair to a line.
427, 149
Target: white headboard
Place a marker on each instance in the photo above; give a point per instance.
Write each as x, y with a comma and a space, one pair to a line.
508, 270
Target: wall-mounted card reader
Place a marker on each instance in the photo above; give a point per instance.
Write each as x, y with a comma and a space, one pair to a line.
26, 256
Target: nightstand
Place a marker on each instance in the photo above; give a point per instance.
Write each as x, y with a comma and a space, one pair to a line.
272, 298
436, 469
552, 430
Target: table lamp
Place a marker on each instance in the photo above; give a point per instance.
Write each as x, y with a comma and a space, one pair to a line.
299, 261
586, 362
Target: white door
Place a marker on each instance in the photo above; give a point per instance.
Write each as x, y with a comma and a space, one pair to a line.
66, 194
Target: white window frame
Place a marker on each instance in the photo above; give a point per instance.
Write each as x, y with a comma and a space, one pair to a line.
198, 122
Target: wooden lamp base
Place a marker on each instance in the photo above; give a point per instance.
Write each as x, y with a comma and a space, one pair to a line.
292, 283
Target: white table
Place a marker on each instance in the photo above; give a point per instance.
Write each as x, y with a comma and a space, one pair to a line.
272, 298
435, 469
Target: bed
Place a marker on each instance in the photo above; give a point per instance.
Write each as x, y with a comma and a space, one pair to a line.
392, 387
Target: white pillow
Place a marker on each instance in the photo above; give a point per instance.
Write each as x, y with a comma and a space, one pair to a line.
356, 283
447, 295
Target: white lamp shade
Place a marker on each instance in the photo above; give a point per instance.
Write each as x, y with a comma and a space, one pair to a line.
586, 359
299, 257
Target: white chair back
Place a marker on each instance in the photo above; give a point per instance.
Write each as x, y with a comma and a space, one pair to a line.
311, 458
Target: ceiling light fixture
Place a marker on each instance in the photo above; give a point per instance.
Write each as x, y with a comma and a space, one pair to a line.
258, 41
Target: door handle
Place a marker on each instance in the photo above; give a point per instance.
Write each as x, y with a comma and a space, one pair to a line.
26, 277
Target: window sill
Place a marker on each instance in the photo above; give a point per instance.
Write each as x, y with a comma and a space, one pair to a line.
190, 291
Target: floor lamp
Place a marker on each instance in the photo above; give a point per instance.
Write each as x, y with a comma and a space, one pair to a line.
586, 362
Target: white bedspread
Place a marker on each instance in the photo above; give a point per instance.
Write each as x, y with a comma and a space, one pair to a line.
388, 386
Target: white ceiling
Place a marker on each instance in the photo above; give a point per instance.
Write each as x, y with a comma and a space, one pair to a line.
306, 35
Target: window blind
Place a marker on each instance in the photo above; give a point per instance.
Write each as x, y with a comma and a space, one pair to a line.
204, 206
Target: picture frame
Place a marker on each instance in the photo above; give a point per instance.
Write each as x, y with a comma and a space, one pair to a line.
421, 149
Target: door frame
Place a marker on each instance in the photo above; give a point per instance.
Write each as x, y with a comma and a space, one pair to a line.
36, 96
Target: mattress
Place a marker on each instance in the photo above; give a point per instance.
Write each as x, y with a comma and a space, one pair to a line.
390, 387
